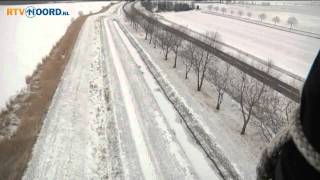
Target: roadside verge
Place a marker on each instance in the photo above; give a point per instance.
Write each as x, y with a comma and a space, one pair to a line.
226, 169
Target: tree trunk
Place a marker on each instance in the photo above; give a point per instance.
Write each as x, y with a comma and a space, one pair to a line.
166, 54
175, 60
198, 81
150, 39
202, 78
186, 72
218, 103
243, 131
146, 36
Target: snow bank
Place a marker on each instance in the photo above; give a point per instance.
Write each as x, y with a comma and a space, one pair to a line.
215, 154
25, 41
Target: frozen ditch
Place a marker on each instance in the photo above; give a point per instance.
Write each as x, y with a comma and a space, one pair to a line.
194, 154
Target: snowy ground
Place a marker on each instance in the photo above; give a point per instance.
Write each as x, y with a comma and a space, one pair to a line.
74, 137
109, 119
25, 41
289, 51
224, 125
308, 16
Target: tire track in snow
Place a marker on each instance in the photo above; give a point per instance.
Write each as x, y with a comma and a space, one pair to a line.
196, 157
148, 168
168, 155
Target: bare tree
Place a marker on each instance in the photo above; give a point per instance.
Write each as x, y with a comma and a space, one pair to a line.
292, 21
135, 21
147, 27
220, 78
156, 34
144, 24
200, 65
262, 16
216, 8
152, 28
223, 10
249, 14
268, 113
250, 91
204, 57
276, 20
165, 39
176, 45
273, 113
288, 108
240, 13
189, 57
133, 18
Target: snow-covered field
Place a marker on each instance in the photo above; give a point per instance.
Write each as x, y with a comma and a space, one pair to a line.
308, 16
289, 51
25, 41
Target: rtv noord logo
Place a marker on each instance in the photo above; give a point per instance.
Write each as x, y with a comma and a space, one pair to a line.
32, 11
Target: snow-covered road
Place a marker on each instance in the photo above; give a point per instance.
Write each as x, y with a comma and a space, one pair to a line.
109, 118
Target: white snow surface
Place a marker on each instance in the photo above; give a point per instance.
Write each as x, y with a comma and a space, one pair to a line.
74, 142
308, 16
289, 51
25, 41
198, 161
224, 125
140, 143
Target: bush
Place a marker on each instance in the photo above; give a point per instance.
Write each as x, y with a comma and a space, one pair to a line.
148, 5
262, 16
182, 7
28, 79
80, 13
167, 6
292, 21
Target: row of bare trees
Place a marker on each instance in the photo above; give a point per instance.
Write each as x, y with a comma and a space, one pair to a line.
269, 109
292, 21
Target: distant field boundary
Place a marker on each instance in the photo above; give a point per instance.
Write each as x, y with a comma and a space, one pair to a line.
281, 28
